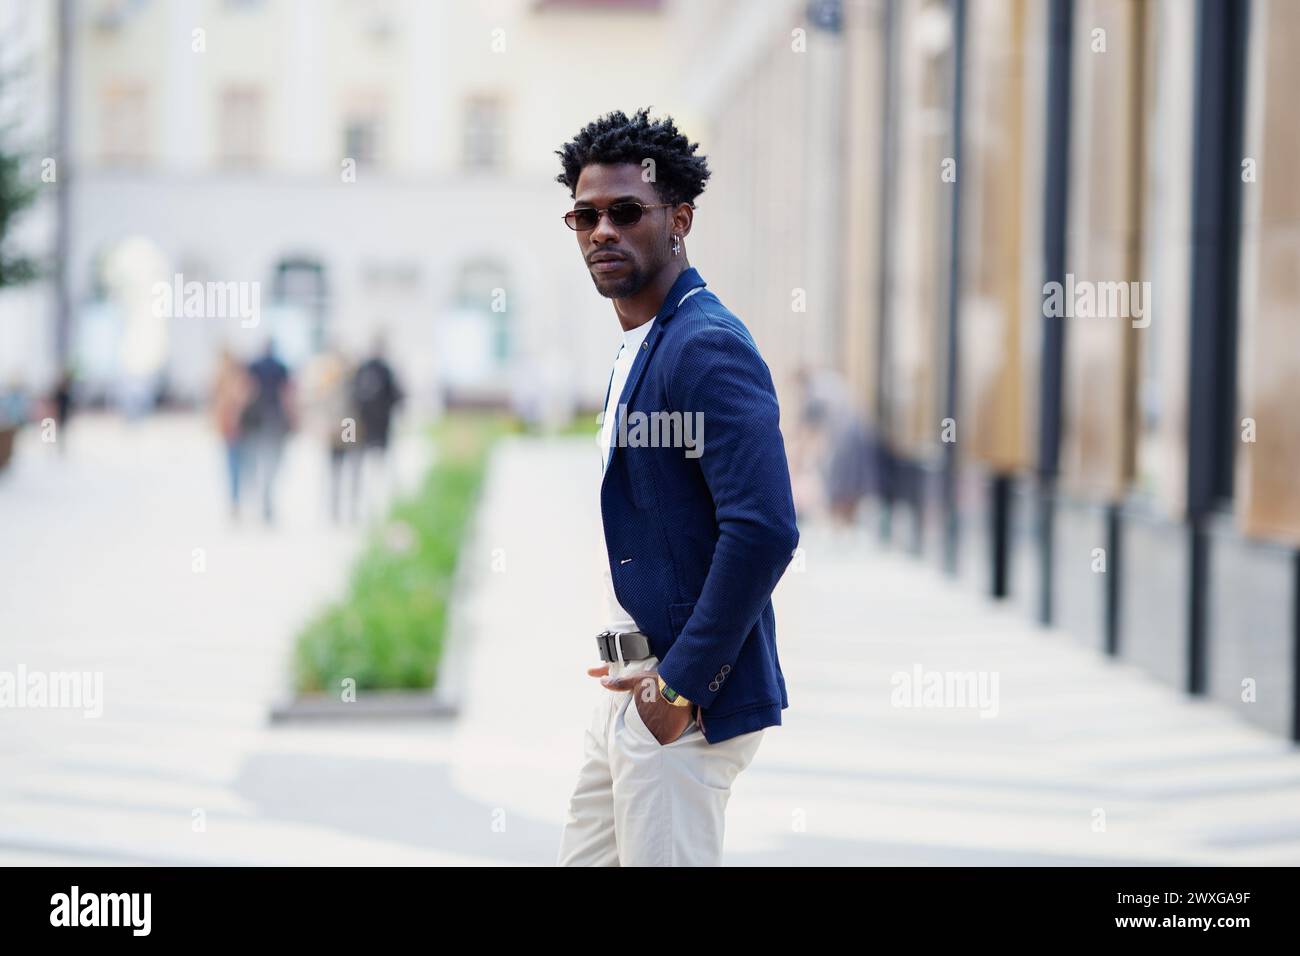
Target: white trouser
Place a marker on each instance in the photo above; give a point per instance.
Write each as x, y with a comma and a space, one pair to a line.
642, 803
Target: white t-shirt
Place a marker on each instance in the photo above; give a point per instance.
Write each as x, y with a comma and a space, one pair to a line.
619, 619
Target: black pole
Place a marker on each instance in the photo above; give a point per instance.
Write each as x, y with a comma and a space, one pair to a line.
1055, 211
1221, 27
1295, 646
999, 534
1110, 580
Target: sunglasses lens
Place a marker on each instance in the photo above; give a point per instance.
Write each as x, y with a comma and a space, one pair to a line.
581, 219
625, 213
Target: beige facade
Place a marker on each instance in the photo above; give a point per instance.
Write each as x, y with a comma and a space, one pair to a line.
1268, 477
768, 230
1163, 345
1103, 244
917, 283
1000, 269
417, 80
864, 77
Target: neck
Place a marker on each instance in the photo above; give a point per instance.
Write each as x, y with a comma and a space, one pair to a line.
641, 307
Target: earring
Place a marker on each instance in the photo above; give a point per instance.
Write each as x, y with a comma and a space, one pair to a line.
677, 244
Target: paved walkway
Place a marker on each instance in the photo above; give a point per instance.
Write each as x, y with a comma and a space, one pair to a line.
1086, 762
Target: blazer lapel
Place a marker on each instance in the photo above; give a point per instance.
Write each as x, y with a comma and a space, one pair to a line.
688, 280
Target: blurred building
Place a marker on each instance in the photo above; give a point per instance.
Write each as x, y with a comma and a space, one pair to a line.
368, 163
925, 170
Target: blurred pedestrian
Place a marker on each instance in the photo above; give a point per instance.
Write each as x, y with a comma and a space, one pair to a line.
266, 422
232, 389
375, 394
13, 415
842, 442
62, 400
330, 414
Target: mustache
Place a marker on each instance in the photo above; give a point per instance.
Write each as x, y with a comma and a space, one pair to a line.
607, 252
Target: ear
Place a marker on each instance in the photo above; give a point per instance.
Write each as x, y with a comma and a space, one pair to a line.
683, 216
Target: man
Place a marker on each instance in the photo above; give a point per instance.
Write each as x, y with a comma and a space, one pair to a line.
697, 533
267, 420
376, 393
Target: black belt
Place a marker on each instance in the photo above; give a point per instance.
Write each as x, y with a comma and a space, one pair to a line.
634, 644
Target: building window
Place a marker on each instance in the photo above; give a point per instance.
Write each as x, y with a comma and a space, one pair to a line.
363, 131
300, 299
481, 289
241, 135
376, 20
484, 133
109, 16
124, 126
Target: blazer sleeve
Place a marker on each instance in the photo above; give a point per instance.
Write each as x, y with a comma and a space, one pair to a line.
720, 374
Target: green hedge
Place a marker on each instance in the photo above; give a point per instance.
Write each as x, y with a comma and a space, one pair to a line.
388, 630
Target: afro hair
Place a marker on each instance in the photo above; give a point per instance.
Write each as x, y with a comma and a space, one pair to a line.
680, 175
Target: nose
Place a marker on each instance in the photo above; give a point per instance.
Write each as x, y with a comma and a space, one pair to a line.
604, 230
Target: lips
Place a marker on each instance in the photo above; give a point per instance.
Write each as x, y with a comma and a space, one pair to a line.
605, 262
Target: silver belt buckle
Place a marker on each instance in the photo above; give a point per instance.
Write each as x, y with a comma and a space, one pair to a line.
610, 638
617, 637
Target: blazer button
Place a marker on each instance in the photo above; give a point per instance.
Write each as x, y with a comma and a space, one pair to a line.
713, 686
726, 668
645, 345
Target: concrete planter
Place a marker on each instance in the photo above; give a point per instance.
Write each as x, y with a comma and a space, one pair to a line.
369, 705
443, 700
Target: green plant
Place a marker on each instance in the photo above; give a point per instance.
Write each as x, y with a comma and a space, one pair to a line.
17, 193
389, 628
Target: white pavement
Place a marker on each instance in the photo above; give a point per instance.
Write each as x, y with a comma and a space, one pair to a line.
95, 574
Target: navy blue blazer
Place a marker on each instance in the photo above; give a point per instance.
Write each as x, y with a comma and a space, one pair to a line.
699, 536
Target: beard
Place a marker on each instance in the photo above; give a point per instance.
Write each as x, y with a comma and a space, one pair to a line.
629, 284
634, 280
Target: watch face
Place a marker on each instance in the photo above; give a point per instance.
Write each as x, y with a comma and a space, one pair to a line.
670, 695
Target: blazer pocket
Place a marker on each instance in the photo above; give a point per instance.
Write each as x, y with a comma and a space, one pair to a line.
678, 615
641, 482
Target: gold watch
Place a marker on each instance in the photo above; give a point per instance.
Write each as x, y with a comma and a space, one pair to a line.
670, 695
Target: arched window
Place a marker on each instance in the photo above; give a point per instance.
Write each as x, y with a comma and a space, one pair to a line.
300, 300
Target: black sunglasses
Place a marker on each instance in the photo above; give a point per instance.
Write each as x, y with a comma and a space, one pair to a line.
628, 212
